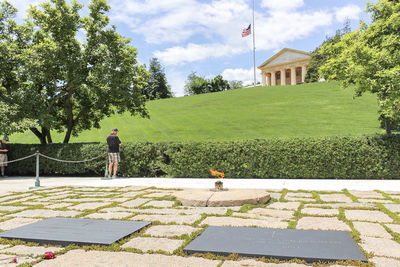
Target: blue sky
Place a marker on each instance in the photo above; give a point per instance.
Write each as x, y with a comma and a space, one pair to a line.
205, 36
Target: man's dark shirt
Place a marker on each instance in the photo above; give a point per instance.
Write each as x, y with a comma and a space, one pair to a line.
3, 146
113, 143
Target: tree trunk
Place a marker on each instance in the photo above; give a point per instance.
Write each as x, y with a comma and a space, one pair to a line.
68, 134
47, 134
39, 135
70, 118
387, 126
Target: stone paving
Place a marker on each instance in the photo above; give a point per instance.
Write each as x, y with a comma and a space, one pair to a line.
372, 217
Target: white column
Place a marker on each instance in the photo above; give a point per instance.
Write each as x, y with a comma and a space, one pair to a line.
268, 76
264, 78
273, 78
293, 76
283, 77
303, 73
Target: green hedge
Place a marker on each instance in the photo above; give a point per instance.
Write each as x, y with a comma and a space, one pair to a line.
367, 157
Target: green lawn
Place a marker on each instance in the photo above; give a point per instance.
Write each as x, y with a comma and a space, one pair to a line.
318, 109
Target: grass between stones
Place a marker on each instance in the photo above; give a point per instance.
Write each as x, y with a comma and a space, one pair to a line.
247, 207
388, 197
197, 223
229, 212
353, 197
391, 214
316, 197
168, 198
396, 236
297, 215
282, 198
187, 238
355, 235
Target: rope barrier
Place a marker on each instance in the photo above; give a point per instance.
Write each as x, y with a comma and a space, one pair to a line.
70, 161
38, 154
60, 160
15, 160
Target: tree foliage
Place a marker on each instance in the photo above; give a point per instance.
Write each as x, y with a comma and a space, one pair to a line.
198, 85
370, 59
234, 84
158, 86
13, 38
195, 84
319, 56
64, 81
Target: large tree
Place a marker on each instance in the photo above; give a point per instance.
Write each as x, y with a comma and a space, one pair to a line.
13, 38
195, 85
235, 84
158, 86
370, 59
72, 71
198, 85
218, 84
319, 56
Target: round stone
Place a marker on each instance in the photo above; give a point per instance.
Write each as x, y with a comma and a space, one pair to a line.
227, 198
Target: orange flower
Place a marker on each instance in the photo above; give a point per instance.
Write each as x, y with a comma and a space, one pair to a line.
219, 175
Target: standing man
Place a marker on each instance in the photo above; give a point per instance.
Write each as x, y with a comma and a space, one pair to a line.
3, 155
113, 152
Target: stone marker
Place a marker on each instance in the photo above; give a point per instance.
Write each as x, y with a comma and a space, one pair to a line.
282, 244
65, 231
228, 198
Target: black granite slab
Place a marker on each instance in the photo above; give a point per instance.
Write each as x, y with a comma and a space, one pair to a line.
282, 244
65, 231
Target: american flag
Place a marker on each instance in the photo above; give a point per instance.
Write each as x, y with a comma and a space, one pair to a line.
246, 31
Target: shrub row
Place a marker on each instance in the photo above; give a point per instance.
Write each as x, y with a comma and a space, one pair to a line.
367, 157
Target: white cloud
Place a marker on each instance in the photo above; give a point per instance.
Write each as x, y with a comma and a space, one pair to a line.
238, 74
194, 52
176, 80
283, 5
244, 75
351, 11
177, 20
271, 33
214, 28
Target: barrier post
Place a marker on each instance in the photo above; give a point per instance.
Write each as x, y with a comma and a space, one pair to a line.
37, 181
106, 177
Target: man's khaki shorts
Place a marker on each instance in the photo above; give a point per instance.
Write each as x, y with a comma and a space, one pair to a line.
113, 157
3, 158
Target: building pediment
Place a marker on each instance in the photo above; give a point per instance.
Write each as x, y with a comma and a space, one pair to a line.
286, 55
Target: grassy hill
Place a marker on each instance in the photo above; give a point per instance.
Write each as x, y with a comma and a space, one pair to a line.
318, 109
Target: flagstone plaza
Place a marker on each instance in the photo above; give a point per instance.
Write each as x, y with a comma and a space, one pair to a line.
372, 218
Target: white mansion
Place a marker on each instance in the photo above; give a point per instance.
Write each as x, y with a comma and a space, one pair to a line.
289, 66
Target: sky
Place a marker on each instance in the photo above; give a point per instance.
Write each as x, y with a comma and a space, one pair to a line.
204, 36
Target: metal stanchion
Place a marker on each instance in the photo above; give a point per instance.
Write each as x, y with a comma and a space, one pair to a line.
106, 177
37, 181
37, 154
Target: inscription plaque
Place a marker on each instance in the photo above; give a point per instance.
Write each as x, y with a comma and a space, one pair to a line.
65, 231
282, 244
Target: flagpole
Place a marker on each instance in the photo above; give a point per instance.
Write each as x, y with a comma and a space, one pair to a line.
254, 49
